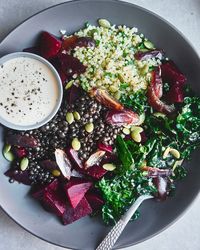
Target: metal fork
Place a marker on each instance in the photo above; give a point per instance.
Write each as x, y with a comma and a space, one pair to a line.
115, 232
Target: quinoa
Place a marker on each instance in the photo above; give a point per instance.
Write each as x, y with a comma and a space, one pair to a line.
111, 64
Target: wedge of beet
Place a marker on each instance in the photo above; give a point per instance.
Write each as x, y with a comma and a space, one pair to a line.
171, 74
73, 155
149, 54
38, 191
18, 175
69, 43
21, 140
76, 189
95, 201
72, 94
49, 45
104, 147
55, 200
175, 94
72, 214
97, 172
85, 42
19, 152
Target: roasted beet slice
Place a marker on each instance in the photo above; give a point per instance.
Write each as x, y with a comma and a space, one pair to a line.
19, 152
175, 94
72, 94
55, 200
123, 117
97, 172
104, 147
153, 94
49, 165
95, 201
155, 172
72, 214
21, 140
74, 158
85, 42
38, 191
69, 43
76, 189
34, 50
149, 54
102, 96
171, 74
70, 65
18, 175
63, 163
94, 159
49, 45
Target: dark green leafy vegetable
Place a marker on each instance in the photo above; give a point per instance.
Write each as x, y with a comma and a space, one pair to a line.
179, 173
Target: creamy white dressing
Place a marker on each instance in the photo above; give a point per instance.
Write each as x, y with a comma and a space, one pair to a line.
28, 91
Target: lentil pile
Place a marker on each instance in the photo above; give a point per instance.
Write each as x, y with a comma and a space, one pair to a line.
80, 125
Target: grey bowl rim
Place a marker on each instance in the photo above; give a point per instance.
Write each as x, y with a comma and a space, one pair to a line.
192, 47
14, 55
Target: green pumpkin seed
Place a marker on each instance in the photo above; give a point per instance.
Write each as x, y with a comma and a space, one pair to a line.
76, 145
56, 173
126, 131
69, 84
6, 148
89, 127
104, 23
9, 156
135, 135
113, 88
77, 115
109, 166
158, 114
149, 45
166, 152
137, 129
175, 153
69, 117
24, 164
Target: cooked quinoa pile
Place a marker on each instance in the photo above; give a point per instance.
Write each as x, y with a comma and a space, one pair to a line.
111, 62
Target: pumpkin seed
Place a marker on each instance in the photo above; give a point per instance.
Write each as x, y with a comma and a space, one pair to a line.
69, 84
76, 145
137, 129
166, 152
69, 117
104, 23
6, 148
121, 77
126, 131
77, 115
149, 45
24, 164
9, 156
158, 114
109, 166
89, 127
135, 135
56, 173
175, 153
113, 88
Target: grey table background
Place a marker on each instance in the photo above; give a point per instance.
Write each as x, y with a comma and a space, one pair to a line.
184, 235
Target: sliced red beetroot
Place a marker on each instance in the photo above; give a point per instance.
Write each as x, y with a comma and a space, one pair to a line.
74, 158
94, 159
123, 117
70, 65
22, 140
153, 94
85, 42
171, 74
34, 50
155, 172
19, 152
38, 191
72, 94
55, 200
49, 165
149, 54
175, 94
161, 184
97, 172
72, 214
63, 163
69, 43
76, 189
18, 175
104, 147
143, 137
102, 96
95, 201
49, 45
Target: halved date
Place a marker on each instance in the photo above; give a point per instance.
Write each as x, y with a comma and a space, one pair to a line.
22, 140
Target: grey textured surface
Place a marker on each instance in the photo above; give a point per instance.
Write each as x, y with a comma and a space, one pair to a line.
185, 15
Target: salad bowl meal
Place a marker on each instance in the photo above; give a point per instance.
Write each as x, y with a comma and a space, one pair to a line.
127, 123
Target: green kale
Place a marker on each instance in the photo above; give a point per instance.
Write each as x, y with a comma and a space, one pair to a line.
179, 173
